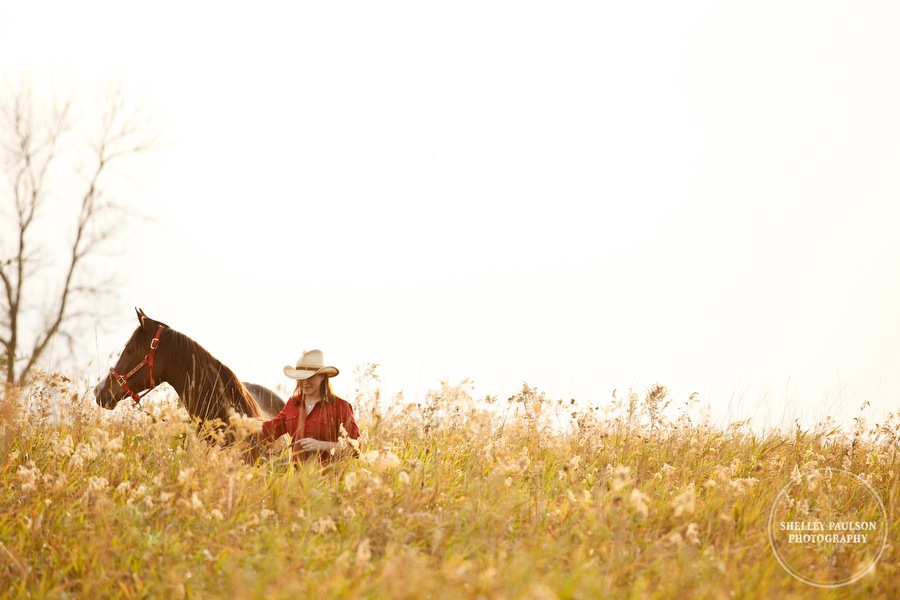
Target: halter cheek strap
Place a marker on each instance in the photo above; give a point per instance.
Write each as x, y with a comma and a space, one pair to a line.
122, 380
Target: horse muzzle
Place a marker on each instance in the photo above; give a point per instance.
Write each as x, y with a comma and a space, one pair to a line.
104, 396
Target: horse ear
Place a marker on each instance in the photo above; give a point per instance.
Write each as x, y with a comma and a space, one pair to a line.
141, 316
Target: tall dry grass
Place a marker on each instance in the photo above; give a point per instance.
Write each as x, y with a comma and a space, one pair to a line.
517, 498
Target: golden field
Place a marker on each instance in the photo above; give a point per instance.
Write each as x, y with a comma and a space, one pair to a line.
502, 498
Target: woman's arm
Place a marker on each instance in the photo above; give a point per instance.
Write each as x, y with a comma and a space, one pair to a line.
314, 445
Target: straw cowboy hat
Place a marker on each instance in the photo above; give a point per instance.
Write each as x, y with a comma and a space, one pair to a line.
311, 363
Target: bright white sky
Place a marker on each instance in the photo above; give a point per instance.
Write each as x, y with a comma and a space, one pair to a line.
578, 195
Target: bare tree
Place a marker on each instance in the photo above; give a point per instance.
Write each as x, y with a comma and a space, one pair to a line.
58, 214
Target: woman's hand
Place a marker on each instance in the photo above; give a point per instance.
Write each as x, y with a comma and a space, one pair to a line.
314, 445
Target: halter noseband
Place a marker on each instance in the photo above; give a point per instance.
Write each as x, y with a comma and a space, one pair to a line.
148, 360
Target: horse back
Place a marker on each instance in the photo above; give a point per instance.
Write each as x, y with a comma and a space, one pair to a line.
269, 402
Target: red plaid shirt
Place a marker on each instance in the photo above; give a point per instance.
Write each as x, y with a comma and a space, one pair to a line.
323, 423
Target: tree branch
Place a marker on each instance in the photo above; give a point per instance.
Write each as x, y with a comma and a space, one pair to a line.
33, 148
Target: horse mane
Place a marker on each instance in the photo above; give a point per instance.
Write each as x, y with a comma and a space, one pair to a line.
203, 368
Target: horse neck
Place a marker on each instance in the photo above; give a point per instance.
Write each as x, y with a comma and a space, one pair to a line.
205, 385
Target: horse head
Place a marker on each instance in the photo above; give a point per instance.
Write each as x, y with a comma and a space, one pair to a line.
137, 370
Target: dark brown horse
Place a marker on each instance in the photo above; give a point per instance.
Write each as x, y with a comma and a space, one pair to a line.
209, 390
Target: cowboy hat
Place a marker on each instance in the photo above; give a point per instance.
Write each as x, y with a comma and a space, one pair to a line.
311, 363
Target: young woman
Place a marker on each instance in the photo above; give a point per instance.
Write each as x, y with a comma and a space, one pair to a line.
313, 416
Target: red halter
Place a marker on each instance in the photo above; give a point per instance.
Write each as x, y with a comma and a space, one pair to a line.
148, 360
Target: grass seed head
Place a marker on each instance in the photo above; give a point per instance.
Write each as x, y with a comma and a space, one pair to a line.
686, 502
